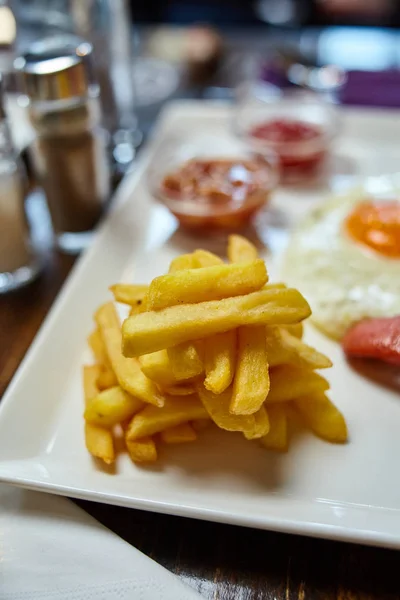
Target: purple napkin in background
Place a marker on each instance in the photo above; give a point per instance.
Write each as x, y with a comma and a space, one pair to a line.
371, 88
363, 88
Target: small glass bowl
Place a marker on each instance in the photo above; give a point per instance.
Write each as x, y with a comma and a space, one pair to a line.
270, 119
207, 181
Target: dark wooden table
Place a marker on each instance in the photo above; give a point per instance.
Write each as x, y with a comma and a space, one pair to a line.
220, 561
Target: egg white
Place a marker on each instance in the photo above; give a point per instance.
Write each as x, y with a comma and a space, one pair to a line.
344, 281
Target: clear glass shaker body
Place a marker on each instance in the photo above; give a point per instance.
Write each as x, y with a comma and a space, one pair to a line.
18, 262
71, 163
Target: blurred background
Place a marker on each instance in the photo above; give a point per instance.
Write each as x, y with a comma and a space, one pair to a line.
122, 60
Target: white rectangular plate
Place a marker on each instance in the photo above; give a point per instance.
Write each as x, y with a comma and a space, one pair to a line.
349, 492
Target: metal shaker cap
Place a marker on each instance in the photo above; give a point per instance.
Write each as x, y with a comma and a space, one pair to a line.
57, 68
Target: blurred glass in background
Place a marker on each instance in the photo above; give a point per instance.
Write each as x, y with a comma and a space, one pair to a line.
107, 25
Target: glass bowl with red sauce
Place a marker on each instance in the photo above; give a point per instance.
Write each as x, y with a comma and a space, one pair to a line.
298, 126
211, 185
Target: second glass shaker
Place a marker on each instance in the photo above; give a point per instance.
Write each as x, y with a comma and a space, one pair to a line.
70, 151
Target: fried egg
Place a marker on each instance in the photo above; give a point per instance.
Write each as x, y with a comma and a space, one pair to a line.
345, 259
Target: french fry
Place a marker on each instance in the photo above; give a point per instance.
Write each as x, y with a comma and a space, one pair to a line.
183, 262
143, 450
302, 354
240, 249
320, 415
203, 258
217, 406
130, 294
261, 427
128, 372
99, 441
295, 329
278, 352
283, 347
138, 308
219, 361
185, 361
179, 390
111, 407
179, 434
277, 437
251, 383
156, 330
97, 347
157, 366
176, 411
90, 375
208, 343
208, 283
106, 378
289, 382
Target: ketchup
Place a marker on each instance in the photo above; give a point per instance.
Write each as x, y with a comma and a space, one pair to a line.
299, 145
220, 193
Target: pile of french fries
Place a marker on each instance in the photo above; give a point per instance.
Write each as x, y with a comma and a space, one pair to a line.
209, 342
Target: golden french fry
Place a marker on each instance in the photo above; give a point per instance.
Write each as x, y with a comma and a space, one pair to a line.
185, 361
130, 294
217, 406
201, 424
289, 382
240, 249
128, 372
185, 364
219, 361
183, 389
106, 377
305, 355
111, 407
322, 417
157, 366
295, 329
155, 330
175, 411
99, 443
90, 375
278, 352
183, 262
251, 383
138, 308
179, 434
207, 283
99, 440
277, 437
261, 427
203, 258
97, 347
143, 450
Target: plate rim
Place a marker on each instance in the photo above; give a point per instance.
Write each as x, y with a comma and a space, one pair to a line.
283, 524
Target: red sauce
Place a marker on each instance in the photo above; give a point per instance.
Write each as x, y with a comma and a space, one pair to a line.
299, 145
226, 192
376, 225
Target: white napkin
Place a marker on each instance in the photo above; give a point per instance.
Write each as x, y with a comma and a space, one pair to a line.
52, 550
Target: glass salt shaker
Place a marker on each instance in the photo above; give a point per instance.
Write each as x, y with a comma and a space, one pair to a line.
19, 264
69, 154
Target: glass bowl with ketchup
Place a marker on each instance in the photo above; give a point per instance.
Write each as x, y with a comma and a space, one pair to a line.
297, 125
212, 182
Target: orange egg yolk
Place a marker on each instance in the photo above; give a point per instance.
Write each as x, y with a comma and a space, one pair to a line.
377, 225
